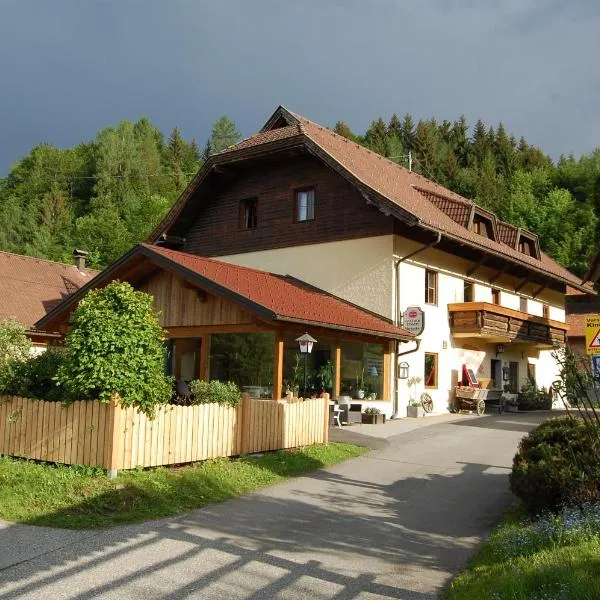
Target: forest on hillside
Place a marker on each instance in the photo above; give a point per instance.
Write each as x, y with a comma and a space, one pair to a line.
107, 194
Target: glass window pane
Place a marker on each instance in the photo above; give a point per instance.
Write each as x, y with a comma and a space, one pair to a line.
244, 358
361, 370
430, 370
319, 367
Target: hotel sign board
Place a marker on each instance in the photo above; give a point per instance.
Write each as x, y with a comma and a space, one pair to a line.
413, 320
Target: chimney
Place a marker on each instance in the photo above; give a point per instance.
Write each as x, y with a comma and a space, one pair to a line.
79, 257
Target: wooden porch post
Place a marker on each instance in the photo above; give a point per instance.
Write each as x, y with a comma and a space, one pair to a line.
387, 364
278, 366
204, 350
337, 383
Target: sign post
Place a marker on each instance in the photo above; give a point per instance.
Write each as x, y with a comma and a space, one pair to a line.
413, 320
592, 335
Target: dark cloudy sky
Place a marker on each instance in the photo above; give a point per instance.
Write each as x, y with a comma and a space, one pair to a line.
70, 67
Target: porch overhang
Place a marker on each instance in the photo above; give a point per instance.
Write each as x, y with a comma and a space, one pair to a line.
496, 324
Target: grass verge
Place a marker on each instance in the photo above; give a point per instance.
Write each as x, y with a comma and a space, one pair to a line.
84, 498
551, 558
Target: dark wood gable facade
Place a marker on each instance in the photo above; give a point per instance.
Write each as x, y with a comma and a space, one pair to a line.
219, 225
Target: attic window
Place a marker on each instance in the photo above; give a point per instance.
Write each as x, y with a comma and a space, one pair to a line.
249, 213
483, 226
527, 246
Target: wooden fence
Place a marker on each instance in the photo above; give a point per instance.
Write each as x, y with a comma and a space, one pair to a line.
105, 435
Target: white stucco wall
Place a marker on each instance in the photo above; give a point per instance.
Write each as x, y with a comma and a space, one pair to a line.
360, 271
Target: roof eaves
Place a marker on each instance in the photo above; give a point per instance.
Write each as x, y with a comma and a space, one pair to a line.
372, 332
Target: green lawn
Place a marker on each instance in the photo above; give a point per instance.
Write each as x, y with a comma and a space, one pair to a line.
548, 559
82, 498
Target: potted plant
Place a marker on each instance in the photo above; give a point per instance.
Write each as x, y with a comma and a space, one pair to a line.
360, 387
372, 416
414, 409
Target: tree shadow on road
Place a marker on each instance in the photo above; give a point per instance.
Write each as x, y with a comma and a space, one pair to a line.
327, 535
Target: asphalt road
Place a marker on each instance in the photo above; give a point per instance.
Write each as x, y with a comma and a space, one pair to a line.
396, 523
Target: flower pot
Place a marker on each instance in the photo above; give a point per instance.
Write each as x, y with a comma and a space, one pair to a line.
372, 419
415, 411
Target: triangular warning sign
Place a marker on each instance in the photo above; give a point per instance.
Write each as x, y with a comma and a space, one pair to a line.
595, 343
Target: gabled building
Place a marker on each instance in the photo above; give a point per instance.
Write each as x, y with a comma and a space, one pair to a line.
30, 287
301, 202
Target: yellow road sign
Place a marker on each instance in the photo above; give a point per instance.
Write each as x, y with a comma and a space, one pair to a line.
592, 334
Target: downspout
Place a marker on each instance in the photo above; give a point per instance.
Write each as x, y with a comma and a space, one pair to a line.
397, 315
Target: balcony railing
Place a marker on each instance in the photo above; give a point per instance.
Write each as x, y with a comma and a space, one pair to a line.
495, 323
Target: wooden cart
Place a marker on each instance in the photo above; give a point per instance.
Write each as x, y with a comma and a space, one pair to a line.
470, 398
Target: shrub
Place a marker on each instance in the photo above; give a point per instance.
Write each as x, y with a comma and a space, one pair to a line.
115, 350
531, 398
15, 347
372, 411
36, 378
209, 392
558, 464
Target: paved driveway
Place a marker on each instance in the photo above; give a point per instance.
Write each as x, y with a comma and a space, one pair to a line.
397, 523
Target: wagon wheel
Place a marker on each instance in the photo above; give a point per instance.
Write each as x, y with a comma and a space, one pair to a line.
426, 402
480, 408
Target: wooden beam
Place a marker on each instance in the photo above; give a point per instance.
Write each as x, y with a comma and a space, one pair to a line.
522, 284
337, 383
200, 330
498, 274
477, 265
540, 290
204, 356
278, 366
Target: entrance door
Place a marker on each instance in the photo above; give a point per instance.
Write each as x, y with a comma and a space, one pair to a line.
514, 377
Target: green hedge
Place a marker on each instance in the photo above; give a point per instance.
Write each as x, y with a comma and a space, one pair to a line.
558, 464
217, 392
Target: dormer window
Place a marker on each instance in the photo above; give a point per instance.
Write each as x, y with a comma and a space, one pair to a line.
249, 213
483, 226
526, 246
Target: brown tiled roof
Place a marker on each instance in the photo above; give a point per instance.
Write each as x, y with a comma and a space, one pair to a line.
272, 297
426, 201
507, 233
273, 135
458, 211
31, 287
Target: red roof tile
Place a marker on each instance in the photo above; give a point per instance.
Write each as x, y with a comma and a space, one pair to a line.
31, 287
287, 298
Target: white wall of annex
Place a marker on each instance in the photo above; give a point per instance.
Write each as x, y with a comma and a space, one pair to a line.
360, 271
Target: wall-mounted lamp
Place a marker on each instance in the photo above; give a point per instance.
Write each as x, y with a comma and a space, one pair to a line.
403, 370
499, 349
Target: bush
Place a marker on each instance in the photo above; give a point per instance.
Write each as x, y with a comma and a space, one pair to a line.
558, 464
217, 392
531, 398
15, 347
36, 378
115, 350
372, 411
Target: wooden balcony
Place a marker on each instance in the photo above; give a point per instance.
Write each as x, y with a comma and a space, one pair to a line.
497, 324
